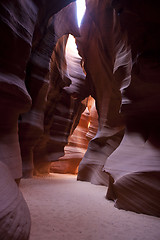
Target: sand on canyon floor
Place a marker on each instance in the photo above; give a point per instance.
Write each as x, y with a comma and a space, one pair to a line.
63, 208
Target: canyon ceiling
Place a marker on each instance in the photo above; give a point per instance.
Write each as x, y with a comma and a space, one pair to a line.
93, 110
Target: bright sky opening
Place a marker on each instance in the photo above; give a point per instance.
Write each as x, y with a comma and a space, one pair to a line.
81, 7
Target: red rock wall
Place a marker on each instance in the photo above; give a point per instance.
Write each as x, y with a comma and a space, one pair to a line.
67, 89
119, 45
31, 124
107, 63
17, 24
134, 167
24, 64
76, 147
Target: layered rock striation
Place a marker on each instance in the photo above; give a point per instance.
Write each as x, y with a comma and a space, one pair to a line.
15, 220
134, 167
24, 63
107, 63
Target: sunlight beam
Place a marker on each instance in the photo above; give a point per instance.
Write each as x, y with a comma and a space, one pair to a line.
81, 7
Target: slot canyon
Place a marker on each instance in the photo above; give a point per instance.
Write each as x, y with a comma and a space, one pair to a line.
80, 103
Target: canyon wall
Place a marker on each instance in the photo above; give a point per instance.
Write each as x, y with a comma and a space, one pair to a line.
44, 91
107, 61
26, 45
120, 49
134, 167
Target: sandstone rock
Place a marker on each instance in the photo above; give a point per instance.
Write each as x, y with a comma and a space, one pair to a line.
134, 166
31, 124
15, 219
68, 83
134, 169
75, 149
107, 64
17, 23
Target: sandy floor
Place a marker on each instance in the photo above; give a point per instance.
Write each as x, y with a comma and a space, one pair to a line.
65, 209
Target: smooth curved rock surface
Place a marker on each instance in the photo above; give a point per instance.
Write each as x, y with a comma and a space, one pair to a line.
25, 51
134, 167
107, 63
139, 192
17, 22
89, 171
134, 171
119, 39
66, 88
76, 147
78, 90
15, 219
46, 144
31, 124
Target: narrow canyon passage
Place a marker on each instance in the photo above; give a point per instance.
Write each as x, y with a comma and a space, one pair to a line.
80, 120
63, 208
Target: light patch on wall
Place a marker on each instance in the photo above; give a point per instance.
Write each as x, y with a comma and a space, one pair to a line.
81, 7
